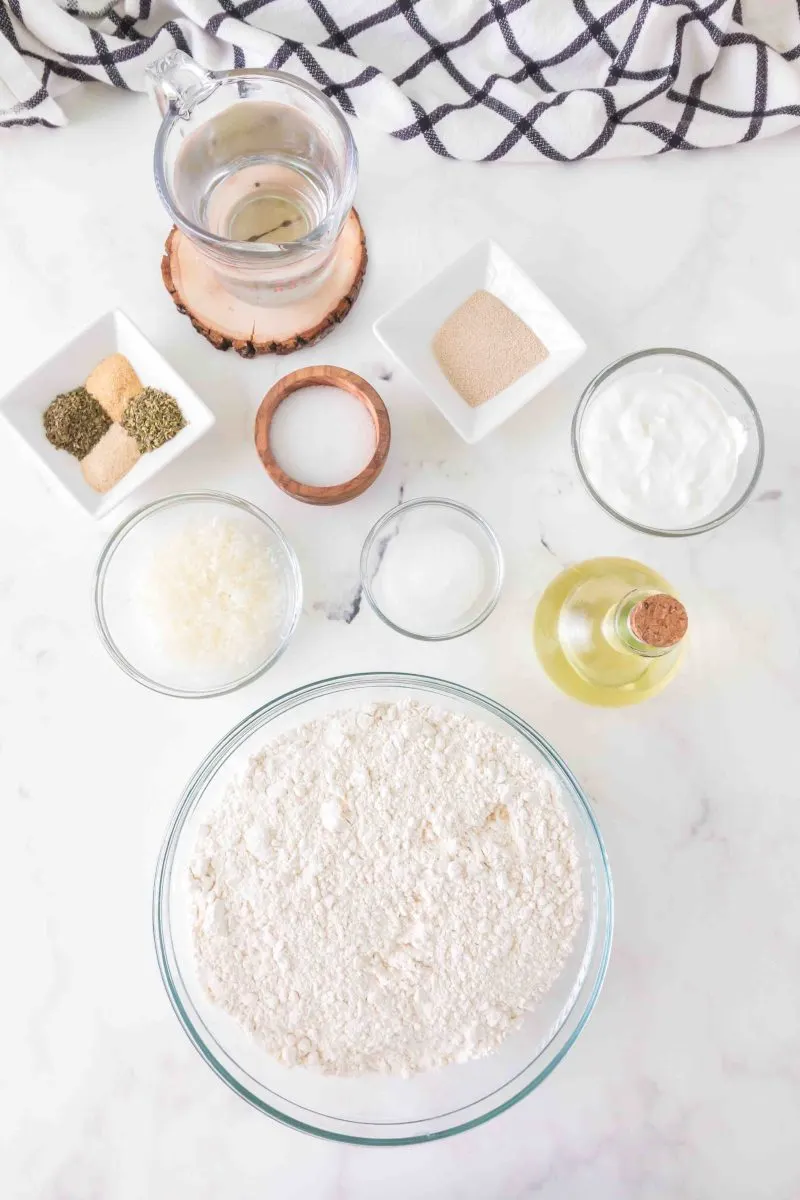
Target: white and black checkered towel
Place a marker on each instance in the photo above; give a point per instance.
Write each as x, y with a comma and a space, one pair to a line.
519, 80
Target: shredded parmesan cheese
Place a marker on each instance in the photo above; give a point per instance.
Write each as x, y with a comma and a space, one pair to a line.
214, 593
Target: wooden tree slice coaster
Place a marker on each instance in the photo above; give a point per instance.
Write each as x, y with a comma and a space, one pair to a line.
228, 322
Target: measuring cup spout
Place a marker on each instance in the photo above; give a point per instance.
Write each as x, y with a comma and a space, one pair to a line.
178, 83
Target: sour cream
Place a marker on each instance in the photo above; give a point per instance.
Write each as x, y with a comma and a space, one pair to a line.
658, 447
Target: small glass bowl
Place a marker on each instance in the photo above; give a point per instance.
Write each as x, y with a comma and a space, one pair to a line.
378, 1110
125, 638
423, 514
733, 398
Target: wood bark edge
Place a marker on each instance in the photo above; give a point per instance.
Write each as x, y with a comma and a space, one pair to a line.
248, 347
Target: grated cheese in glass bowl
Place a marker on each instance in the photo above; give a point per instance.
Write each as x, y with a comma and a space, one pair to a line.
197, 594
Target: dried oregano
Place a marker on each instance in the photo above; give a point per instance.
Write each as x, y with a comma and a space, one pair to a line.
152, 418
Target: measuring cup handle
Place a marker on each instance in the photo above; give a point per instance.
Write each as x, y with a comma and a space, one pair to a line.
178, 83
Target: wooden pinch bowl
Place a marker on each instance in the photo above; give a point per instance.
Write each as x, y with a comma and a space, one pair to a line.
337, 377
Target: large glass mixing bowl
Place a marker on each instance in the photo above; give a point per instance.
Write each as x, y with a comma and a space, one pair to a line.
377, 1109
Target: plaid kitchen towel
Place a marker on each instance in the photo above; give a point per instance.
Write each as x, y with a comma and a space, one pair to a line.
517, 80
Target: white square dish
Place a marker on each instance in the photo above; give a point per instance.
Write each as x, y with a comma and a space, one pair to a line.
24, 407
407, 331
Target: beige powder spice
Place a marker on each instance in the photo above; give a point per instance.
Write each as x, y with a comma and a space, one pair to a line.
111, 458
484, 347
114, 382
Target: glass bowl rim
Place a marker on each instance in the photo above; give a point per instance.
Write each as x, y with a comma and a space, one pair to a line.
221, 752
588, 394
115, 541
494, 546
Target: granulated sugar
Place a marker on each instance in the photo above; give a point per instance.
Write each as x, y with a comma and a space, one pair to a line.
385, 889
484, 347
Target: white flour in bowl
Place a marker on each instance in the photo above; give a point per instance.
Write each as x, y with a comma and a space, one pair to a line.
385, 889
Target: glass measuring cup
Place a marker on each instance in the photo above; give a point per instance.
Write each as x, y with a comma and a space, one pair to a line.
258, 169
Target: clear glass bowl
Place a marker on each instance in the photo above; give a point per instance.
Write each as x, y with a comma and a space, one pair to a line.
733, 398
126, 638
420, 516
376, 1109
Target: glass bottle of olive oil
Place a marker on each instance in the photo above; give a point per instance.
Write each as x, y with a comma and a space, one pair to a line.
610, 631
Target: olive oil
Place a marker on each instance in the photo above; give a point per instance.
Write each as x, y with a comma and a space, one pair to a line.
609, 631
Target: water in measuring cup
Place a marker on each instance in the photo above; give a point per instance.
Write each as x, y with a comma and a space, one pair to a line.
274, 200
255, 173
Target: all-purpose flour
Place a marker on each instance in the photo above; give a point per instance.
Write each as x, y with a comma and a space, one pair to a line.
386, 889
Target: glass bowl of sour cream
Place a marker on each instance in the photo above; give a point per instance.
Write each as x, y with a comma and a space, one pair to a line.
668, 442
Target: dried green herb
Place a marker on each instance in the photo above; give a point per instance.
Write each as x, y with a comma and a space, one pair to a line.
75, 422
152, 417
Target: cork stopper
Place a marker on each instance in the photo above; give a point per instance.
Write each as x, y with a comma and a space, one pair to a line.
659, 621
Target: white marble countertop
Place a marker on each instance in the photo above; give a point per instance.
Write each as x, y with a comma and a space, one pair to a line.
686, 1082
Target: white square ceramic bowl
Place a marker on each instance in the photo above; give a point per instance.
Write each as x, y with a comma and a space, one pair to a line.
24, 407
408, 331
